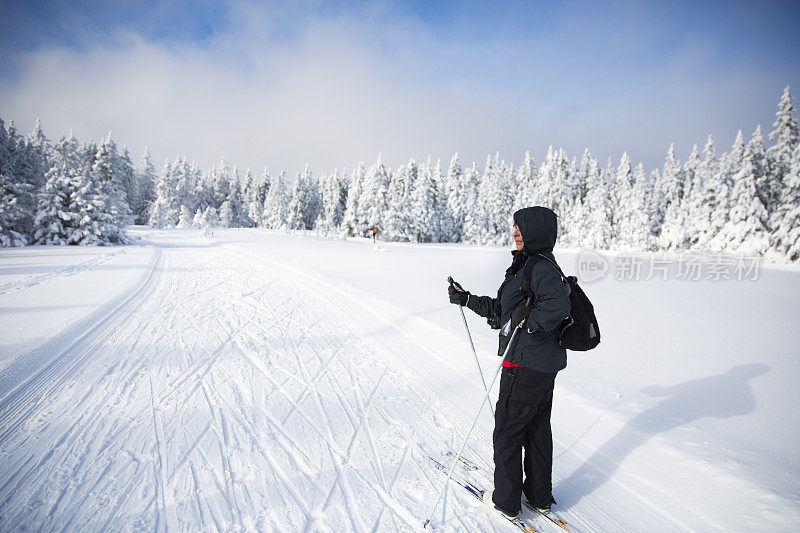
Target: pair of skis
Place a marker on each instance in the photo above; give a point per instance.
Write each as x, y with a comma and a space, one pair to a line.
550, 515
478, 493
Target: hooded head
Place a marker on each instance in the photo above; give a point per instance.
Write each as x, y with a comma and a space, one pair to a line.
538, 227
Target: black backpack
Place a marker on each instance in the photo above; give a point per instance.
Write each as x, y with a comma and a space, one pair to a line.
578, 332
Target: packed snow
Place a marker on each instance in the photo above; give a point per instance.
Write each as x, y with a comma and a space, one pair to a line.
261, 380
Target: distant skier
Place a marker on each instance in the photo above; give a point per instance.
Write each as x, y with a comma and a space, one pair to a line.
374, 231
522, 416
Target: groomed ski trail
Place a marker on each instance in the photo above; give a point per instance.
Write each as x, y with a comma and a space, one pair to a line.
222, 395
632, 510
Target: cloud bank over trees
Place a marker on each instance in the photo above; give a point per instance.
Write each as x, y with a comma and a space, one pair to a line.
744, 201
297, 82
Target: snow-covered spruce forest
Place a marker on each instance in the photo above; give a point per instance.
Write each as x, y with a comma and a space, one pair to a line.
743, 201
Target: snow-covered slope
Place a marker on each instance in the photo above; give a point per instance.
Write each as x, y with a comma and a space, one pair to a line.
262, 381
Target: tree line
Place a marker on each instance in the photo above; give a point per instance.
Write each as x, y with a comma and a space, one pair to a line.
746, 200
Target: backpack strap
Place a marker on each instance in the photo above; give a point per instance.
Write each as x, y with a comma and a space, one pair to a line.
563, 277
528, 272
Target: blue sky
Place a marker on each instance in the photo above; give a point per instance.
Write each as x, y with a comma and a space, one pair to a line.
333, 83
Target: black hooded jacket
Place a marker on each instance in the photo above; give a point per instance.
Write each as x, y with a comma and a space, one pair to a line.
536, 346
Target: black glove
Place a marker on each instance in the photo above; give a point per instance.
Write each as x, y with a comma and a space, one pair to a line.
457, 294
520, 314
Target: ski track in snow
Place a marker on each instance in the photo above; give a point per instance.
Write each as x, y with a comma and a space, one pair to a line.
37, 279
231, 392
638, 513
222, 395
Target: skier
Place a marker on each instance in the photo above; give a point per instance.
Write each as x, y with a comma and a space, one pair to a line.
374, 232
522, 415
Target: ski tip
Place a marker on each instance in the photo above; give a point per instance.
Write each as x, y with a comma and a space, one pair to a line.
449, 279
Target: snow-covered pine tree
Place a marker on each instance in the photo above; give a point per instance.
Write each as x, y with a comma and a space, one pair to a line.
582, 175
690, 174
145, 189
562, 187
302, 210
111, 178
297, 204
226, 215
579, 215
729, 165
165, 210
399, 220
668, 216
16, 193
11, 213
527, 178
104, 196
314, 205
372, 203
495, 196
54, 216
679, 229
471, 182
571, 212
708, 209
55, 219
597, 207
634, 227
474, 216
556, 189
548, 174
238, 215
747, 231
258, 197
353, 223
423, 205
127, 179
220, 178
186, 218
248, 193
621, 191
455, 198
332, 192
779, 159
194, 187
779, 155
41, 150
20, 165
275, 210
396, 198
210, 218
655, 206
786, 235
443, 217
341, 183
324, 184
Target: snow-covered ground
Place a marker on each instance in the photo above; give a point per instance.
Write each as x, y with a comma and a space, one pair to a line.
263, 381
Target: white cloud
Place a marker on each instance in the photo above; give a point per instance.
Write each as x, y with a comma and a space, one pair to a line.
346, 89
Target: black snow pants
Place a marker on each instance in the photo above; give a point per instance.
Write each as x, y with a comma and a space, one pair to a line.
522, 420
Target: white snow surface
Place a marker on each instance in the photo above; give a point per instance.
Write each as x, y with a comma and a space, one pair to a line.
258, 380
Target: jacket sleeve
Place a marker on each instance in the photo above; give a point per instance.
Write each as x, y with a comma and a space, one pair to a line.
551, 305
484, 306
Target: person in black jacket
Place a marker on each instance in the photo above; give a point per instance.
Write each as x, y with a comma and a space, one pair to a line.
522, 416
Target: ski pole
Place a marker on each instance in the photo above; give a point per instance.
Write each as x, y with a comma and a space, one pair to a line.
474, 422
475, 353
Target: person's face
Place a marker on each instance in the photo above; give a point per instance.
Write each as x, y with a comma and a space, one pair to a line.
518, 238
